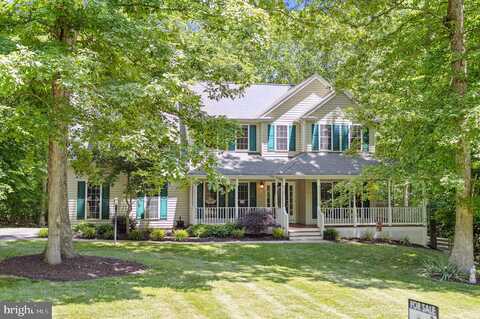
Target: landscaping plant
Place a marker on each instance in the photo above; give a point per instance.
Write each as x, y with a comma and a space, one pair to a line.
43, 233
157, 234
180, 234
331, 234
257, 222
278, 233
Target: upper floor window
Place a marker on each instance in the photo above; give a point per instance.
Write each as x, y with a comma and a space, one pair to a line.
339, 137
282, 137
242, 140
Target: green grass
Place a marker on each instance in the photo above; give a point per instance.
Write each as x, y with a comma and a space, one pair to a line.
248, 281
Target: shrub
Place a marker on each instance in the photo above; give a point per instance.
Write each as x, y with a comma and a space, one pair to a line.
105, 231
180, 234
198, 230
385, 236
43, 233
277, 233
136, 234
88, 232
367, 235
202, 230
238, 233
81, 226
257, 222
442, 270
157, 234
331, 234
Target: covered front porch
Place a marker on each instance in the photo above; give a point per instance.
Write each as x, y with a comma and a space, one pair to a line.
301, 201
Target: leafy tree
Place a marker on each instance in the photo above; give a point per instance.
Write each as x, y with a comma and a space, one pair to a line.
100, 75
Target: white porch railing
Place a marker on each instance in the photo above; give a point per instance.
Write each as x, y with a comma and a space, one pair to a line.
374, 215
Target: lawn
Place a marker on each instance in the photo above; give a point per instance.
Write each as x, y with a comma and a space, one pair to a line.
248, 281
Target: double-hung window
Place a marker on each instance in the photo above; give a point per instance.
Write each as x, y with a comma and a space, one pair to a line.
151, 207
325, 137
243, 198
94, 201
282, 137
242, 140
356, 137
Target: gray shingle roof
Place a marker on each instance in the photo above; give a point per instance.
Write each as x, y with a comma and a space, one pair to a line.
305, 164
254, 101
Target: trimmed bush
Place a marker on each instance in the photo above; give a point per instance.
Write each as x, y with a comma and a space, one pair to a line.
88, 232
238, 233
136, 234
105, 231
277, 233
331, 234
81, 226
180, 234
257, 222
219, 231
43, 233
405, 241
157, 234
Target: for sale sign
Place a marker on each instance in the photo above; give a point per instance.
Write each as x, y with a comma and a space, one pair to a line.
421, 310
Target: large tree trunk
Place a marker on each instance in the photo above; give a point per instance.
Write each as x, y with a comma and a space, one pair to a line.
462, 252
66, 233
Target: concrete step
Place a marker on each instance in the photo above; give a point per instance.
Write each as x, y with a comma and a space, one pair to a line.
303, 229
307, 238
305, 233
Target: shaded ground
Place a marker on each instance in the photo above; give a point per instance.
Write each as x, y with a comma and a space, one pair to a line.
14, 233
72, 269
248, 281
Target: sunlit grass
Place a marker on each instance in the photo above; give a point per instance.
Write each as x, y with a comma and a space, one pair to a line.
248, 281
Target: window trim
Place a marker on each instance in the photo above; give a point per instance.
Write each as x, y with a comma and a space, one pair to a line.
276, 138
340, 137
158, 204
248, 140
86, 202
205, 187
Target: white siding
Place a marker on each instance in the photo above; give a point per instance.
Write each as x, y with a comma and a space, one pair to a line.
178, 202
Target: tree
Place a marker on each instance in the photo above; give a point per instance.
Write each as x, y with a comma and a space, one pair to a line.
103, 70
405, 63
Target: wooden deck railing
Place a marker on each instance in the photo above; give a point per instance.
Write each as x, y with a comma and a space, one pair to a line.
374, 215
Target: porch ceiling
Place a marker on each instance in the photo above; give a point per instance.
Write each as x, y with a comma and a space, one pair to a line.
304, 164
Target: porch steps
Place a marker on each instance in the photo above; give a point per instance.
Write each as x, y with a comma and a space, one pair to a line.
305, 234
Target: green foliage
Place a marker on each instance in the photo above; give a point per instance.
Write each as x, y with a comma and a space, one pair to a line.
78, 228
157, 234
104, 231
43, 233
136, 234
238, 233
203, 230
331, 234
88, 232
278, 233
405, 241
442, 270
180, 234
367, 235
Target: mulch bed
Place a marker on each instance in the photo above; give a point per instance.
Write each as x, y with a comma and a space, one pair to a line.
72, 269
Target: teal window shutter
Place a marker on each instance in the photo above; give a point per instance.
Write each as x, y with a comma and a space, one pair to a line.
314, 200
81, 200
345, 135
231, 146
140, 206
292, 146
366, 139
200, 195
314, 137
271, 137
336, 137
105, 201
164, 202
252, 135
253, 194
231, 198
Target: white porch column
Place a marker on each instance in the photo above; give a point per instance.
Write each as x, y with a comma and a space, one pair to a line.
193, 203
283, 194
389, 203
236, 198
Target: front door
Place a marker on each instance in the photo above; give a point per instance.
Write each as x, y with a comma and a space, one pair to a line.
271, 198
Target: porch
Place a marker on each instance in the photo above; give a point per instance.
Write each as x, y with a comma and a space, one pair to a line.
298, 201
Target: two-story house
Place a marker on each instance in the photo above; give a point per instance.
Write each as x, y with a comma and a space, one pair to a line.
289, 156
